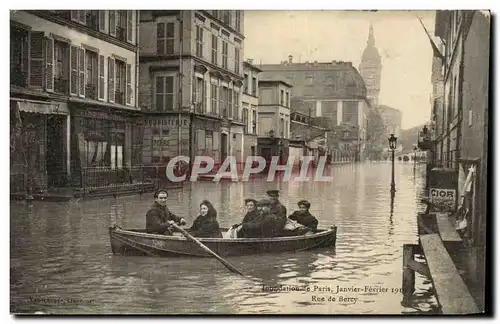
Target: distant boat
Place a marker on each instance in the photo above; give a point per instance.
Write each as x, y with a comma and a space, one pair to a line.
138, 242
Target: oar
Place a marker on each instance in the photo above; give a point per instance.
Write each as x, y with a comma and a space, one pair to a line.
191, 238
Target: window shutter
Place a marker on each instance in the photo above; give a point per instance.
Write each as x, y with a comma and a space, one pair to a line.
112, 23
129, 26
36, 59
74, 15
49, 64
82, 16
81, 72
160, 38
102, 21
111, 79
128, 87
74, 70
101, 77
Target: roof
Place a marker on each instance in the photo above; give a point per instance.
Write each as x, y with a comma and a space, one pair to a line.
251, 66
275, 82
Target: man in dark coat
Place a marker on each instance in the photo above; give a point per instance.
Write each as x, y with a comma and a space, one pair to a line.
261, 226
158, 217
303, 216
277, 208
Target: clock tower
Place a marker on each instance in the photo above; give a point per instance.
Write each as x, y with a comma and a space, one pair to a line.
371, 68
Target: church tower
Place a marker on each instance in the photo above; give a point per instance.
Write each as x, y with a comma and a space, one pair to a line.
371, 68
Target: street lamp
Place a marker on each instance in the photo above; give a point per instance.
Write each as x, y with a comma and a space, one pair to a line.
392, 146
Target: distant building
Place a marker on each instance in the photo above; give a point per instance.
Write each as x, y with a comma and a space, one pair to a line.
371, 69
274, 119
333, 90
250, 103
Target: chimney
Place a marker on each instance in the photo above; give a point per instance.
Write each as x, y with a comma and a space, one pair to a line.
250, 61
290, 58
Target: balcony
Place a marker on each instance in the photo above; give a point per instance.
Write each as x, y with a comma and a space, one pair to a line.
121, 34
61, 85
120, 97
91, 91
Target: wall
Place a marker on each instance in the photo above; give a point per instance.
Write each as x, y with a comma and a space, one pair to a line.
78, 38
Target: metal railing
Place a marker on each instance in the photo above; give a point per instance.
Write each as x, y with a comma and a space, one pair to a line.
113, 179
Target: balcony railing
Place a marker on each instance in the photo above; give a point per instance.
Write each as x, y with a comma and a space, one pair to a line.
18, 78
61, 85
91, 91
120, 97
121, 33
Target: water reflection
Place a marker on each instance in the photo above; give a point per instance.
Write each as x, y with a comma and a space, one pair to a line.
63, 250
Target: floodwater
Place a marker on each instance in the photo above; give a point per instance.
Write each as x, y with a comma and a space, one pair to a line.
61, 260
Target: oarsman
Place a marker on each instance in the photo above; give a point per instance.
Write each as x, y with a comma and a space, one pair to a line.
159, 218
277, 208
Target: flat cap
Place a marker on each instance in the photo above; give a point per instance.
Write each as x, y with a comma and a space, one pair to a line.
304, 203
250, 200
273, 193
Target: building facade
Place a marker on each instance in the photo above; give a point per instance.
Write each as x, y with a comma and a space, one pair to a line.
392, 119
250, 103
333, 92
371, 69
191, 72
73, 96
461, 125
274, 119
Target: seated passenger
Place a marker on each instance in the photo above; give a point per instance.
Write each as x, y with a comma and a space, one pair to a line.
263, 225
252, 211
206, 224
303, 216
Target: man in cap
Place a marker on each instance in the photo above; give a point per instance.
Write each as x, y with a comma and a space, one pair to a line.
159, 217
277, 208
303, 216
261, 226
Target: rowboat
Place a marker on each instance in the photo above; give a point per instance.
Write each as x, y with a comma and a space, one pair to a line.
138, 242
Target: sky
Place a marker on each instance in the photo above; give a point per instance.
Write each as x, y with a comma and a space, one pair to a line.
270, 36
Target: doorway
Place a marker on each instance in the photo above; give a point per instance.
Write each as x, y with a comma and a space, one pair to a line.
55, 158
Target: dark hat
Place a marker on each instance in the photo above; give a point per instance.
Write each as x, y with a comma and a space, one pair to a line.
250, 200
304, 203
263, 202
273, 193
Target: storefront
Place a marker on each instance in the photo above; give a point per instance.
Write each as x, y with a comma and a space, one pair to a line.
39, 155
104, 145
208, 138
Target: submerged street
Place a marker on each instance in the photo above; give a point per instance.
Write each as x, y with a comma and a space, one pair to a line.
62, 250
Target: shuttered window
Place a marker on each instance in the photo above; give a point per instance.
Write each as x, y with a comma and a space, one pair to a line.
129, 89
36, 59
49, 64
129, 26
81, 72
111, 79
112, 22
101, 77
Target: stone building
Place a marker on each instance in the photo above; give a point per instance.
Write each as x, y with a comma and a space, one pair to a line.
191, 78
73, 97
274, 119
250, 103
334, 91
371, 69
459, 138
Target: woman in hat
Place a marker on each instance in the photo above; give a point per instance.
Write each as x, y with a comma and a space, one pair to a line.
252, 212
303, 216
206, 224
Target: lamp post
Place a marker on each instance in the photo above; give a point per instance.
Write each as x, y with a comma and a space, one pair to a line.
392, 146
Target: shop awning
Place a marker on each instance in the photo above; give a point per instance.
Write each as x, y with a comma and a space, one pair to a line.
41, 107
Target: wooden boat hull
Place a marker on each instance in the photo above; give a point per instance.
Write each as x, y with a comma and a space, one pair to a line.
137, 242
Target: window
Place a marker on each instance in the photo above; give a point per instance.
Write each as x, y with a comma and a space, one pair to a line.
237, 23
199, 41
236, 105
224, 54
19, 57
79, 16
282, 127
287, 102
237, 60
61, 67
282, 97
91, 74
254, 120
223, 102
350, 112
121, 25
199, 95
245, 116
254, 86
120, 81
164, 93
309, 80
245, 84
214, 98
227, 17
137, 139
165, 38
92, 19
229, 97
215, 43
